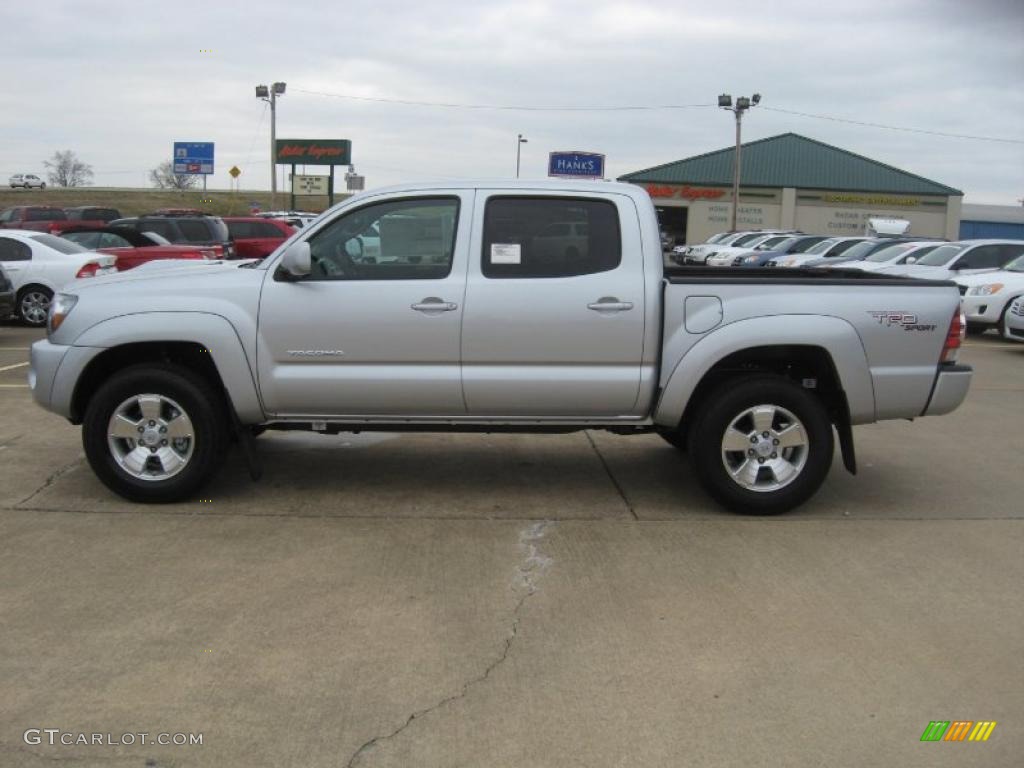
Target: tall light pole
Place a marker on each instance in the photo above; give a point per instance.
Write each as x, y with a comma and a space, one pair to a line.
742, 105
270, 95
519, 144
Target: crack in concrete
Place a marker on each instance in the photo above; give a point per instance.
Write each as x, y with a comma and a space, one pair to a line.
51, 480
528, 573
608, 471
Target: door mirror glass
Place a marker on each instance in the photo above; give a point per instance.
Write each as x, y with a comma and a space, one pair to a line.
296, 261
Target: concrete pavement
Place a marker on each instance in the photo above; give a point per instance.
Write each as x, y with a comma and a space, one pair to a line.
573, 600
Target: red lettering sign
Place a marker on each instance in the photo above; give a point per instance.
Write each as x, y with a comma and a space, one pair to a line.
686, 192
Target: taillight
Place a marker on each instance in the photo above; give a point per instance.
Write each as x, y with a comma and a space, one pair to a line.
88, 270
954, 338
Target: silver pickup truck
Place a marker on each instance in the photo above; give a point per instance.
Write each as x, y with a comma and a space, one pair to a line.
494, 307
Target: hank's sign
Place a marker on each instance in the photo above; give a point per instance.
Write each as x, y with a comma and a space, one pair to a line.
313, 151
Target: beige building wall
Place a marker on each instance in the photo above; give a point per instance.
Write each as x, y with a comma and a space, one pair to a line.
814, 211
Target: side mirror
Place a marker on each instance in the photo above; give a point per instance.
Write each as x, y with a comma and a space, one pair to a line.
296, 263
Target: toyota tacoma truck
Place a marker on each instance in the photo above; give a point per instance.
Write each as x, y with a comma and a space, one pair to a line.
494, 307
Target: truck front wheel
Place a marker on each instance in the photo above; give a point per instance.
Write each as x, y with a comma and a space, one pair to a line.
155, 433
762, 445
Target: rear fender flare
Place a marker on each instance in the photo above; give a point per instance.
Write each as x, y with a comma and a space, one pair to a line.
835, 335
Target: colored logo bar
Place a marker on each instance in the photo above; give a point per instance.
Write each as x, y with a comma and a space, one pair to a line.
958, 730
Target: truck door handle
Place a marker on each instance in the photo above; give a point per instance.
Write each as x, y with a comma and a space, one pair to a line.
610, 304
434, 304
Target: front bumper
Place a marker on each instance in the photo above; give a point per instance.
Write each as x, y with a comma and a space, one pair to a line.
950, 390
982, 309
44, 361
54, 371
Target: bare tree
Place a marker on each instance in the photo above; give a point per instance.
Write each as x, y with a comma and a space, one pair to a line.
164, 177
66, 170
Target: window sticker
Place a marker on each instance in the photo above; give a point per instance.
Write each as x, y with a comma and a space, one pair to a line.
506, 253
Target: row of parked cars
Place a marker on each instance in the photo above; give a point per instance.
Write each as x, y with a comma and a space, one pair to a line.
42, 248
989, 273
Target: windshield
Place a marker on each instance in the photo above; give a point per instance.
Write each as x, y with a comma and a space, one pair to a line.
1017, 265
823, 246
779, 245
59, 244
855, 252
890, 252
746, 239
941, 255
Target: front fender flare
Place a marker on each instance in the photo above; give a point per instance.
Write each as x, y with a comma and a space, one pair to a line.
213, 332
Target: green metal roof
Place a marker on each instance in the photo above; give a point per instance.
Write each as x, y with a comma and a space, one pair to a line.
790, 160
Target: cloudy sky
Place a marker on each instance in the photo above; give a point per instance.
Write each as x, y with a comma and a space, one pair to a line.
118, 82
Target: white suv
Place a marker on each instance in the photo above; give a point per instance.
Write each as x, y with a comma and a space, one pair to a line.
26, 180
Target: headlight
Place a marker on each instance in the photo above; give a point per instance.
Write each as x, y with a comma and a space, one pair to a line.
60, 306
985, 290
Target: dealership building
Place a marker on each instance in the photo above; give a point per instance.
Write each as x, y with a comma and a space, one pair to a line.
793, 182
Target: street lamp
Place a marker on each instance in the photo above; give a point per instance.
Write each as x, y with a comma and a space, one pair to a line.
270, 95
519, 144
742, 105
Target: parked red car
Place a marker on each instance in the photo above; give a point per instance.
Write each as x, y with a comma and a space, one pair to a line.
256, 237
42, 218
133, 248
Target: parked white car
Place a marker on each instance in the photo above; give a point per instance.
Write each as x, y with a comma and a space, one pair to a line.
965, 257
725, 256
894, 255
699, 254
834, 246
1013, 321
39, 265
26, 180
986, 298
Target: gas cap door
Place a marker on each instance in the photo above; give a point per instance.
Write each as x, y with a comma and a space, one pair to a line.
703, 313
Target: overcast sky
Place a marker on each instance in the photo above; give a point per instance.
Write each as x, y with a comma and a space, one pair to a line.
118, 82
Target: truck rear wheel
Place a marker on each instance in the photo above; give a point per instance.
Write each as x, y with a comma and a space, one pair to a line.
762, 445
155, 433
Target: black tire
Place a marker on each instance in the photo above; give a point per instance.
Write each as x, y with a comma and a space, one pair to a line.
674, 438
31, 300
721, 409
976, 329
201, 402
42, 186
1000, 326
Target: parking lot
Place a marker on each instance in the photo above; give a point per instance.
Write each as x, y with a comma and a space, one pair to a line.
498, 600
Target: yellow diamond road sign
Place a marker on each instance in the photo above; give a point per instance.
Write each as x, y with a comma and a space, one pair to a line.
235, 171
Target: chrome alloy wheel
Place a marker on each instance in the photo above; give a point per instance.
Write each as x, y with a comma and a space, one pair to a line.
34, 307
765, 448
151, 437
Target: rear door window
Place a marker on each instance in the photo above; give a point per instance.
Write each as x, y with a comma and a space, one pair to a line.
160, 226
14, 250
195, 231
549, 237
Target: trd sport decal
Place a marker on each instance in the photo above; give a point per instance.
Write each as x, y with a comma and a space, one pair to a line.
905, 320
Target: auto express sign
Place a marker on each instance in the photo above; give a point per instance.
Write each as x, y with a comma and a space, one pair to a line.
576, 165
313, 151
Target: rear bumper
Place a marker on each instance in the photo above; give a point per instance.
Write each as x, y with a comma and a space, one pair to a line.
951, 385
6, 304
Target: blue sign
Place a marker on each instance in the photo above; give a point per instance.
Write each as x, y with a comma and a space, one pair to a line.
193, 157
582, 165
